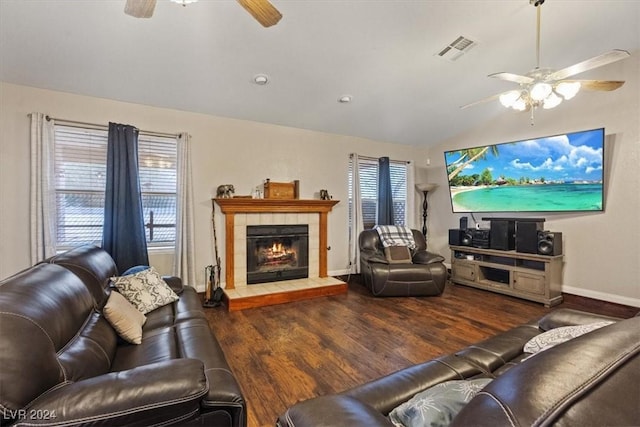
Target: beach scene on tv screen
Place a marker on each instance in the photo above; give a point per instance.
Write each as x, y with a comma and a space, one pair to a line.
554, 173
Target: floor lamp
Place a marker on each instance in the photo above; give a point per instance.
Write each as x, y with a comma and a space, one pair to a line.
425, 188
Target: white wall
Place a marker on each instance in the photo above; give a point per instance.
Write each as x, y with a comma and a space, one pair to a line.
602, 250
224, 151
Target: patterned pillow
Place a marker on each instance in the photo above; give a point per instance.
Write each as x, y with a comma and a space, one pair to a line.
145, 290
559, 335
438, 405
124, 318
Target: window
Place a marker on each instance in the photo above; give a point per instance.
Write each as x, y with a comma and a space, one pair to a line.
369, 191
80, 160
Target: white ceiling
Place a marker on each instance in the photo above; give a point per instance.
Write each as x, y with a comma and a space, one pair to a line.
203, 57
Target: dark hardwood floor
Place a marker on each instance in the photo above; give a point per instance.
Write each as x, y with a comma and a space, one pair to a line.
285, 353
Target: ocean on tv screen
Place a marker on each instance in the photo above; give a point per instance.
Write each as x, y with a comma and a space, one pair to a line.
529, 198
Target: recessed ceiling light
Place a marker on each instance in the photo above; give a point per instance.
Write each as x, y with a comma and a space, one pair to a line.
345, 99
261, 79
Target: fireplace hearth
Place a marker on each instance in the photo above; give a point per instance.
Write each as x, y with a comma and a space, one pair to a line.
277, 252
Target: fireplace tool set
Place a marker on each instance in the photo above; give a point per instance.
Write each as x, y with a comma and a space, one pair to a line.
213, 292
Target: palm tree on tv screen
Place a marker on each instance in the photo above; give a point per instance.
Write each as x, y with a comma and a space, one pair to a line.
471, 155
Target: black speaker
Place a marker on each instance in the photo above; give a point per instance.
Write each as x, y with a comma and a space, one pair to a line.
549, 243
527, 236
459, 237
502, 235
464, 223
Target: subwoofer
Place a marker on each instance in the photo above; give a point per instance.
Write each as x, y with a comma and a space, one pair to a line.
549, 243
458, 237
502, 235
527, 236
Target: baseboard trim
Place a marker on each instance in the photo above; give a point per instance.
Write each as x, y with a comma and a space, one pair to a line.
603, 296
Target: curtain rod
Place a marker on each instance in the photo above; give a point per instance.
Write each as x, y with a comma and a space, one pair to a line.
376, 158
75, 123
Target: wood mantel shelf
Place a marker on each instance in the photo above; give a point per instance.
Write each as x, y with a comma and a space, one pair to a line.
242, 205
232, 206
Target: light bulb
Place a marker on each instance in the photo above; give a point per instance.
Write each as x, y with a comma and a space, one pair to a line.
568, 89
519, 105
540, 91
551, 101
508, 98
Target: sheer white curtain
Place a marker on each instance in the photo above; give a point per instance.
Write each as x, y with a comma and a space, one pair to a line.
183, 262
42, 190
357, 223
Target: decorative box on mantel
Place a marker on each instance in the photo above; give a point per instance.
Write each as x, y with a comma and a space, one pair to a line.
282, 190
239, 214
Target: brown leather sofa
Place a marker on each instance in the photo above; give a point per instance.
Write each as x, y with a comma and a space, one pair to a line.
425, 275
61, 362
591, 380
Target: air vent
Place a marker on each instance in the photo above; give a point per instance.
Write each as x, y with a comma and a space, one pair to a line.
456, 48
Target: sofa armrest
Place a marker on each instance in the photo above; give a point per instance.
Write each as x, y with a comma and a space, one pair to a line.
330, 411
159, 393
175, 283
570, 317
426, 257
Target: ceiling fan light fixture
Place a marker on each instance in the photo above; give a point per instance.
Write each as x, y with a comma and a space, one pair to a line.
507, 99
520, 104
568, 89
551, 101
540, 91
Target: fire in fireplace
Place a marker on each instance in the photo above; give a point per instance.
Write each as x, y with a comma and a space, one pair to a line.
277, 252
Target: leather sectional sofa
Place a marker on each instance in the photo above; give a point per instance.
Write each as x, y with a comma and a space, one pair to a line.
590, 380
62, 363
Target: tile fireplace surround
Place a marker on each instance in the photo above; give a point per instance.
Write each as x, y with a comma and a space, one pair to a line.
241, 212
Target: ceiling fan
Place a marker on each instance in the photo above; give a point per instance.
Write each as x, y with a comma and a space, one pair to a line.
262, 10
546, 88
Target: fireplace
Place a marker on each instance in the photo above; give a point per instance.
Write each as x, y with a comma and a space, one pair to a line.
277, 252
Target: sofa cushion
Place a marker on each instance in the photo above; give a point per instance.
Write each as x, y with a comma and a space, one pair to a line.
438, 405
124, 318
398, 255
145, 290
93, 265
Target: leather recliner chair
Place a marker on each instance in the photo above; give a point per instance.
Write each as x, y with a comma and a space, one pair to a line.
425, 275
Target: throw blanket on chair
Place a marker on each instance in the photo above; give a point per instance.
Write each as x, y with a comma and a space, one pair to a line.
395, 235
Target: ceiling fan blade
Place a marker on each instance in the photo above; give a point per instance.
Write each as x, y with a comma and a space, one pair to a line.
590, 64
140, 8
601, 85
482, 101
516, 78
263, 11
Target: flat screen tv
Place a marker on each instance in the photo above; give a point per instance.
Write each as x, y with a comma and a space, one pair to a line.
558, 173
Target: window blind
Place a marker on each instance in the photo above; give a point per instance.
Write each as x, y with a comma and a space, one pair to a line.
80, 158
369, 191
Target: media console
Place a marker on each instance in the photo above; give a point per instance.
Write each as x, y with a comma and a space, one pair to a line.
524, 275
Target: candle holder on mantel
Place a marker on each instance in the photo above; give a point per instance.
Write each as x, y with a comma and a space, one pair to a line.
425, 188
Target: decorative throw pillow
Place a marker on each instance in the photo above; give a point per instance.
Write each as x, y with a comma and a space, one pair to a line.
145, 290
559, 335
397, 255
438, 405
124, 317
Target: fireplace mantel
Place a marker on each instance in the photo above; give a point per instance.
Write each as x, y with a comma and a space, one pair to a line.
247, 205
232, 206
